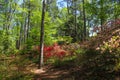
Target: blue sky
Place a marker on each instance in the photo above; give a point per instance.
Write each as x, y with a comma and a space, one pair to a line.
61, 3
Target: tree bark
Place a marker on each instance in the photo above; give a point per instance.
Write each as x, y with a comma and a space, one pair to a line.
75, 20
101, 15
42, 37
84, 18
28, 26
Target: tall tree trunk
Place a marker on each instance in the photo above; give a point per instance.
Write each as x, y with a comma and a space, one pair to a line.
28, 24
24, 24
25, 30
17, 41
20, 35
75, 22
101, 14
42, 37
84, 17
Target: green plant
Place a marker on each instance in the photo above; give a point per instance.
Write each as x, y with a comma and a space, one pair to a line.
98, 66
64, 39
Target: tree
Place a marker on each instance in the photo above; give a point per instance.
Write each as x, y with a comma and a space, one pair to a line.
42, 36
84, 18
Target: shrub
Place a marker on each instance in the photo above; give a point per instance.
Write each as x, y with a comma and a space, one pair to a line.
55, 51
103, 62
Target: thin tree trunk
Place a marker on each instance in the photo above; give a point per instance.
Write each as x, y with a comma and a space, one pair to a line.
17, 41
25, 36
42, 37
24, 24
101, 18
28, 26
75, 21
84, 17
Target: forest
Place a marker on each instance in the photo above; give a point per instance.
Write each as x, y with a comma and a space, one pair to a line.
59, 39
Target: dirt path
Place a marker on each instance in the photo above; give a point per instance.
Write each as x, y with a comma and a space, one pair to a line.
48, 72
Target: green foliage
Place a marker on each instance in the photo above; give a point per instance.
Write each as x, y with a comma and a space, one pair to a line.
64, 40
50, 30
65, 63
7, 43
100, 64
97, 66
111, 45
11, 67
117, 54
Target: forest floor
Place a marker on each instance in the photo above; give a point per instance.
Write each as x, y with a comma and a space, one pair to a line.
20, 67
50, 72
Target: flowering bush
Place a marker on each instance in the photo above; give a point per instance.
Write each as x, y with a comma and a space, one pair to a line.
107, 63
111, 45
58, 53
54, 51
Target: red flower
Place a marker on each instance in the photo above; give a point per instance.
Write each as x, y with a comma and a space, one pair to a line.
50, 48
61, 54
53, 51
48, 55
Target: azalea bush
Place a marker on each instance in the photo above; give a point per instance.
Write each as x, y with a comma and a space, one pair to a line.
57, 53
54, 52
102, 62
113, 47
